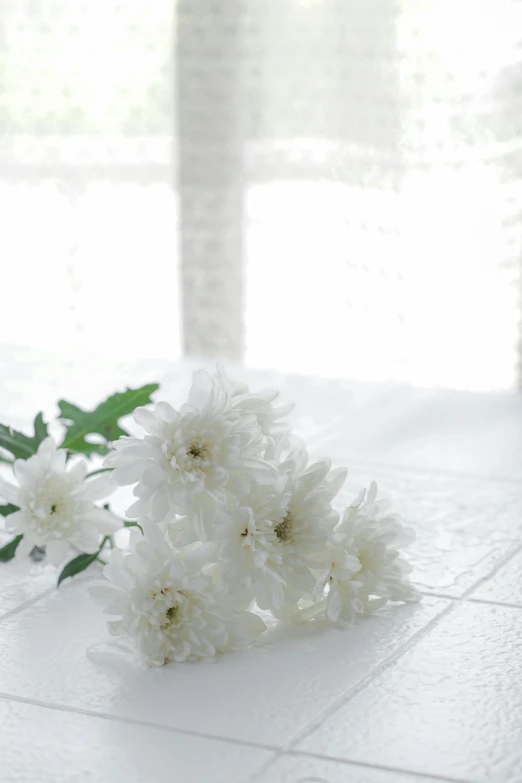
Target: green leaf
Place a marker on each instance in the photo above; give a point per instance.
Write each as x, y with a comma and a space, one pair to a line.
77, 565
103, 420
7, 552
8, 509
22, 446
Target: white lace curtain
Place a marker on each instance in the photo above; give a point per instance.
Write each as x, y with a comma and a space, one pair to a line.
321, 186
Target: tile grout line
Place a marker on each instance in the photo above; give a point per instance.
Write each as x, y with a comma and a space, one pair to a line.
332, 708
7, 697
509, 555
218, 738
432, 594
29, 602
398, 653
467, 594
259, 775
488, 602
401, 650
367, 765
453, 603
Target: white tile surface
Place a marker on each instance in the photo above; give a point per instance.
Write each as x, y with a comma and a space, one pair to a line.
263, 695
21, 582
305, 769
505, 586
451, 706
41, 745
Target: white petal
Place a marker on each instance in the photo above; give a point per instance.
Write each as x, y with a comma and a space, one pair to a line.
146, 419
199, 556
138, 509
128, 474
103, 593
47, 447
141, 449
25, 546
334, 605
166, 412
99, 487
264, 472
26, 469
78, 471
17, 522
201, 389
106, 522
160, 506
56, 551
87, 539
58, 461
372, 493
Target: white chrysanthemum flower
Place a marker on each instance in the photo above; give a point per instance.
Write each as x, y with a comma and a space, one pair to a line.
191, 461
376, 538
168, 605
56, 504
366, 568
270, 547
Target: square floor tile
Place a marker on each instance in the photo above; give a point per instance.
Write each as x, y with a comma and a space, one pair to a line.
41, 745
451, 706
265, 695
306, 769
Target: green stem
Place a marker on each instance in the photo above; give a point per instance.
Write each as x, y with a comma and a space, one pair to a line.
97, 472
104, 541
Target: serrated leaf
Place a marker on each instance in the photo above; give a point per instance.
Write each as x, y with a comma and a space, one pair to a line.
77, 565
103, 420
8, 551
9, 508
20, 445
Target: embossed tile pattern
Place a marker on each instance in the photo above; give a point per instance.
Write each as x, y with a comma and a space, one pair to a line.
506, 585
41, 745
451, 706
21, 582
280, 686
305, 769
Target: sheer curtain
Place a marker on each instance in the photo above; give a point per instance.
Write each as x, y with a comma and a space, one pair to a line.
88, 237
334, 186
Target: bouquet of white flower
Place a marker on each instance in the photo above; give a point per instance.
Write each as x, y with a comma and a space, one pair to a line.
230, 520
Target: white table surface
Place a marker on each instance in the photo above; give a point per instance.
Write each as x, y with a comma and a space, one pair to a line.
419, 693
